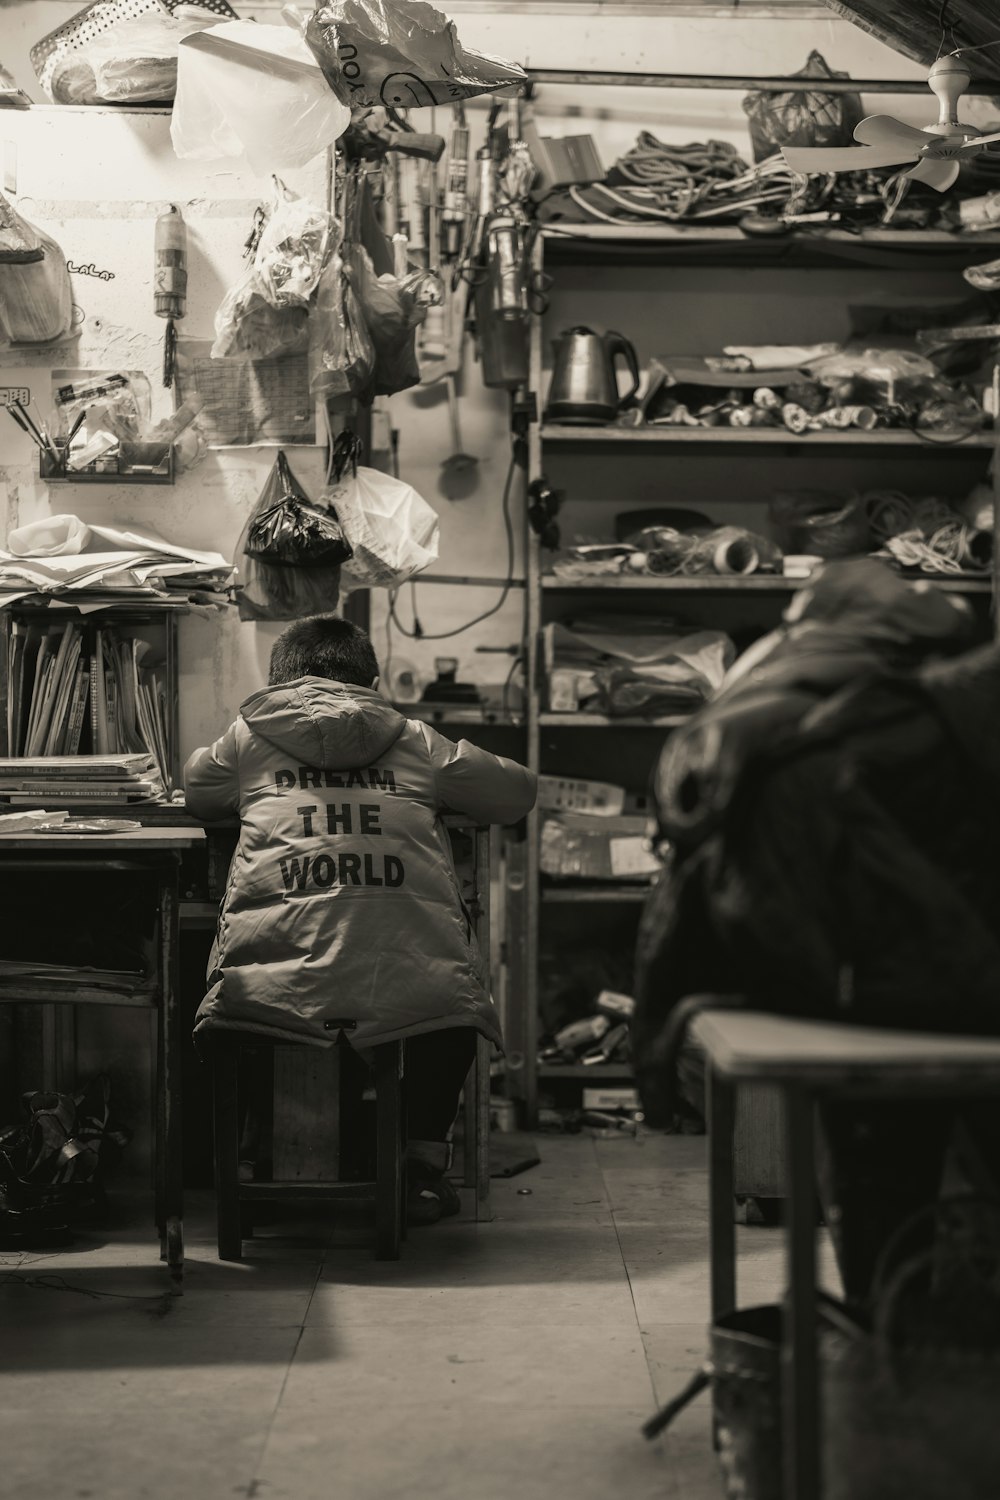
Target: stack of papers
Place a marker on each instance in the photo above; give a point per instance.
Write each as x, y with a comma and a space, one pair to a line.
75, 690
117, 561
89, 778
75, 974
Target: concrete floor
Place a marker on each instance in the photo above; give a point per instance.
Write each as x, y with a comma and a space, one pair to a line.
509, 1361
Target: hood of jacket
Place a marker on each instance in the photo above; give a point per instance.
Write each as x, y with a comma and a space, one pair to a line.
334, 725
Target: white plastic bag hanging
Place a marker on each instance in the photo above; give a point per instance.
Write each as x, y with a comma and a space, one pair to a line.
253, 91
401, 53
392, 529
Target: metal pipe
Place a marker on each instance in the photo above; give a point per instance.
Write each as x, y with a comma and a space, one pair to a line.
760, 85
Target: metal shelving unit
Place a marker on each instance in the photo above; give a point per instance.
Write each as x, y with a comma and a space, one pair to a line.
756, 437
607, 895
756, 583
600, 245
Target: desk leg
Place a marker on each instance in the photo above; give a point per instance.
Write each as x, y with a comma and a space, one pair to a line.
722, 1229
800, 1366
172, 1170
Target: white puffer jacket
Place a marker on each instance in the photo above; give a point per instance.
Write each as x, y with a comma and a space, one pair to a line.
343, 910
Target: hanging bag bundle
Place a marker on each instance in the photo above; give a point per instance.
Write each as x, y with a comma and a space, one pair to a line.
292, 551
36, 300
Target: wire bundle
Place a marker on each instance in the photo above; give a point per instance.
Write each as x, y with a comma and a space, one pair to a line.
699, 181
927, 534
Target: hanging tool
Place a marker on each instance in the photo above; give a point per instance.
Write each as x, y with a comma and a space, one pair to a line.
432, 336
170, 281
411, 208
458, 461
456, 189
364, 142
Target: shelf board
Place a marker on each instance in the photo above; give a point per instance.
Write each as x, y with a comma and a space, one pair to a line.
605, 721
609, 895
567, 436
55, 990
446, 713
576, 236
757, 583
597, 1072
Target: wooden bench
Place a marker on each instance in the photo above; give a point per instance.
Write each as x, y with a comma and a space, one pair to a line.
806, 1061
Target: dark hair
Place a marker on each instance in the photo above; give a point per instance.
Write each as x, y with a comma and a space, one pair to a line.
323, 646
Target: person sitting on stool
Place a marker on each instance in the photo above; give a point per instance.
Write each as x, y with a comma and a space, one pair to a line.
343, 915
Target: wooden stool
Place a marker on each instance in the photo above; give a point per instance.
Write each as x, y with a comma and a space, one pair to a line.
234, 1198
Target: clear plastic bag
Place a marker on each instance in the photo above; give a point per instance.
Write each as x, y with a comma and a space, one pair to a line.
115, 402
808, 118
248, 327
400, 53
251, 90
120, 51
392, 529
341, 352
265, 314
268, 589
36, 300
287, 528
136, 63
291, 249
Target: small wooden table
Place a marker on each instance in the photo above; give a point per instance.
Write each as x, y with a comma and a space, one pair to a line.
808, 1060
155, 851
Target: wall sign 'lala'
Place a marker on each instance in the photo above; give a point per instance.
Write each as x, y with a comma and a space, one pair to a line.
89, 270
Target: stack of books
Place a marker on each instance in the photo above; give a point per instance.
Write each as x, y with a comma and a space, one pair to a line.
80, 778
79, 689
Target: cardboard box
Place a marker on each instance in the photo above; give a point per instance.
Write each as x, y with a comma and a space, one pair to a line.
577, 847
598, 799
611, 1098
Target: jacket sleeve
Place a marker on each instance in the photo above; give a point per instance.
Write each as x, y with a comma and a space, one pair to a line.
479, 785
211, 780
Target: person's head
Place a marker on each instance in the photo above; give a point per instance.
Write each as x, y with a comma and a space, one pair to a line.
324, 646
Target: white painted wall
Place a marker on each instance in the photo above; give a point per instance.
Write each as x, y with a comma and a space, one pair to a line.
96, 180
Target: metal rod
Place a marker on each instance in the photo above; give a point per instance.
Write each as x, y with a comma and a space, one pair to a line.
758, 85
475, 580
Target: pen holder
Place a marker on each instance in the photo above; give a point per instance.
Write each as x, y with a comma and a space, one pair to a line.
134, 463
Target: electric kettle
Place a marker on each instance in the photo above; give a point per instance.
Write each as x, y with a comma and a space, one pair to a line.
584, 385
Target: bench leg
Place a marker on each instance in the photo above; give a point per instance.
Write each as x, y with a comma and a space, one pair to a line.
226, 1119
722, 1231
389, 1183
800, 1372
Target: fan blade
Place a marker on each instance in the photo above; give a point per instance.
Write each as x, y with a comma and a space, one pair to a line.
937, 174
884, 131
977, 141
842, 158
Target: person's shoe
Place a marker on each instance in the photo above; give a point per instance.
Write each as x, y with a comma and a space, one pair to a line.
429, 1194
422, 1206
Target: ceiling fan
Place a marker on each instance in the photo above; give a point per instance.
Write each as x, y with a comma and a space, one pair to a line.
886, 142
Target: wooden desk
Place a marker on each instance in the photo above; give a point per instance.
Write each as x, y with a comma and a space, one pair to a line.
156, 851
807, 1060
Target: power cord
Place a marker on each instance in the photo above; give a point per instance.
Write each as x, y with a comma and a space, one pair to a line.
50, 1281
417, 632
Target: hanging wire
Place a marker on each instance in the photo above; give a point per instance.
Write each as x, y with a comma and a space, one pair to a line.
417, 632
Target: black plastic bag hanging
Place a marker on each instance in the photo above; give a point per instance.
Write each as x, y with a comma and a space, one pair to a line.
287, 528
291, 553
